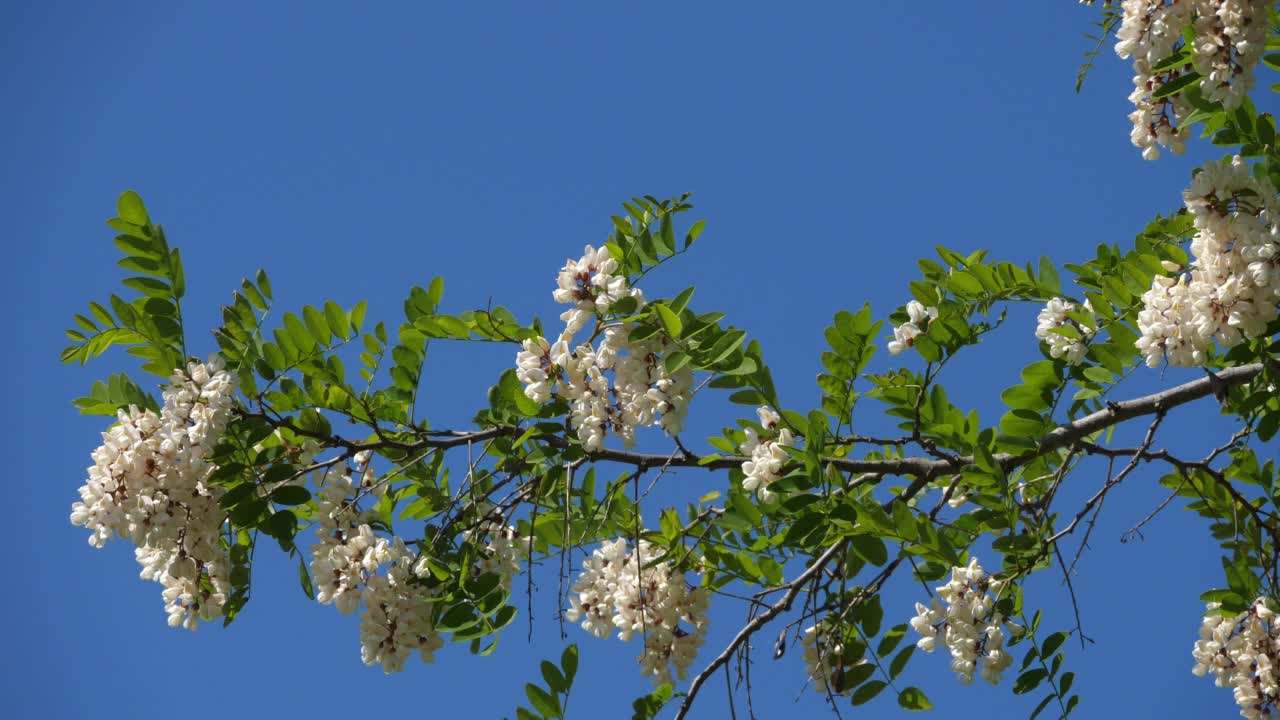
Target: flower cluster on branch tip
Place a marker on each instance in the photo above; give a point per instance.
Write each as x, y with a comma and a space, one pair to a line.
634, 594
1227, 41
964, 618
1242, 653
615, 384
149, 484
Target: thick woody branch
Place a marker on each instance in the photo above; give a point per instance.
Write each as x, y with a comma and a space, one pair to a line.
1062, 436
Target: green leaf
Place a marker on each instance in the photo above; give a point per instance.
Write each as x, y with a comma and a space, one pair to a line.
1174, 86
101, 314
1064, 685
511, 388
131, 209
569, 662
1053, 642
1021, 423
1024, 397
963, 282
316, 324
298, 333
282, 525
647, 707
176, 274
290, 495
1040, 708
904, 521
458, 617
681, 301
337, 320
869, 548
304, 578
749, 396
1182, 57
694, 232
1226, 598
1099, 375
867, 693
853, 676
150, 287
143, 265
542, 701
1029, 681
670, 321
914, 699
275, 358
900, 660
891, 640
357, 314
264, 284
555, 680
676, 360
1049, 276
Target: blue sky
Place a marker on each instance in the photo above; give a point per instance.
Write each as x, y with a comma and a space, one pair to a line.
354, 154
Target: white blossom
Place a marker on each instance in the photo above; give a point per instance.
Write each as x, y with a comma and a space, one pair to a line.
1228, 38
963, 617
351, 565
1231, 289
767, 454
533, 368
628, 592
149, 484
904, 335
1241, 653
503, 550
1054, 321
823, 646
615, 385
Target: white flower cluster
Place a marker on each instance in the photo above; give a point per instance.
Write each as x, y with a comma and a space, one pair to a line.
968, 624
1232, 287
628, 591
617, 384
767, 454
904, 335
504, 548
345, 568
149, 485
822, 650
1072, 345
1229, 37
1243, 653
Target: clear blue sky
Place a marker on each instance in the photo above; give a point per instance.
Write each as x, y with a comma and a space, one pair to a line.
354, 153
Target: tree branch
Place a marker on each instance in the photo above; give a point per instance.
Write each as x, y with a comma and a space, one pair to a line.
1061, 436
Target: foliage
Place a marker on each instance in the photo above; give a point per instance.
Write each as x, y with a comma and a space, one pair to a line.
852, 512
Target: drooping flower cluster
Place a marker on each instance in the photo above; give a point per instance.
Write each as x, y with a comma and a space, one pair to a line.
823, 647
350, 564
963, 615
616, 385
767, 454
904, 335
503, 550
1231, 290
629, 592
1242, 653
149, 485
1229, 38
1066, 337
